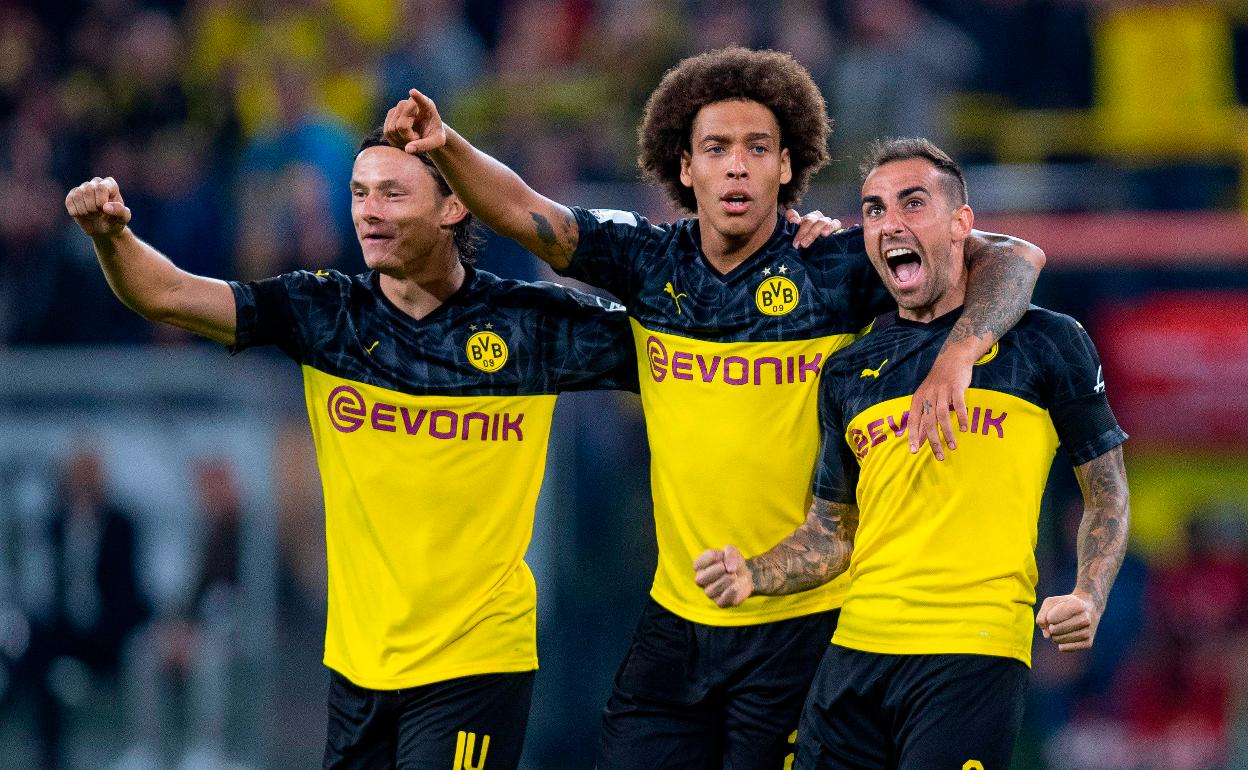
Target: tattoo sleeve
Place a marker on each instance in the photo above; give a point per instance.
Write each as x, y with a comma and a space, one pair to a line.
998, 288
1103, 531
556, 240
816, 552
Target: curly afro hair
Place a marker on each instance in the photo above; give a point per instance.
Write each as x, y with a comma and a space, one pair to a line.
773, 79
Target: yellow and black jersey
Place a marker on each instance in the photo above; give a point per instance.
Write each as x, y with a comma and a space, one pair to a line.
431, 438
729, 366
944, 559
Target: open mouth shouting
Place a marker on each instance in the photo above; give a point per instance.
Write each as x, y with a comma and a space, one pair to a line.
906, 266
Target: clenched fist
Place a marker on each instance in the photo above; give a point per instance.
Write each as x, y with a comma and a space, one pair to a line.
724, 575
1069, 621
97, 207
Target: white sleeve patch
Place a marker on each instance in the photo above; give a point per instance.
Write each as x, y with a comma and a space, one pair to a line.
614, 215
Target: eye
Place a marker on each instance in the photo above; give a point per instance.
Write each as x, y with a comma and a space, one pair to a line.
357, 194
872, 210
393, 194
758, 149
715, 149
914, 203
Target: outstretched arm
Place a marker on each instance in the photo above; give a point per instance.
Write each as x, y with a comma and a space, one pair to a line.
143, 278
815, 553
490, 190
1001, 277
1070, 621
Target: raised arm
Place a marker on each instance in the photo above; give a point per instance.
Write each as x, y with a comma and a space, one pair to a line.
143, 278
1070, 621
1001, 277
815, 553
492, 192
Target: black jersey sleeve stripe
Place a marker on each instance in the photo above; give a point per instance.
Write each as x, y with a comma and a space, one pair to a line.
263, 316
836, 475
1087, 427
608, 246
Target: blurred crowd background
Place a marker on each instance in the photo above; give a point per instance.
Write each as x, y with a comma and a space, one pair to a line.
162, 581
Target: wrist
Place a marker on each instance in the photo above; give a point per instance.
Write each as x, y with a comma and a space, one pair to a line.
1084, 596
963, 353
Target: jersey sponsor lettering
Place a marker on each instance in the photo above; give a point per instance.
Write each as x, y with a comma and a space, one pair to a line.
891, 426
730, 369
348, 412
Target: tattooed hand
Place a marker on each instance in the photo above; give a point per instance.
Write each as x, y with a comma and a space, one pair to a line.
1070, 621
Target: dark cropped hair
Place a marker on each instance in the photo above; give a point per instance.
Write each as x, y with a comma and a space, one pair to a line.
466, 233
883, 151
775, 80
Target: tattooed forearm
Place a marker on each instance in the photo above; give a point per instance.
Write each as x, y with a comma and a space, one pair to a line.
814, 554
998, 288
1103, 531
554, 247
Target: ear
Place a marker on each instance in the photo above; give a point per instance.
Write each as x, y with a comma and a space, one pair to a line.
453, 211
786, 168
961, 224
685, 177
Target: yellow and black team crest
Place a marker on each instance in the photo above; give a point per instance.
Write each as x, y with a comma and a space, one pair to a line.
776, 295
486, 351
991, 354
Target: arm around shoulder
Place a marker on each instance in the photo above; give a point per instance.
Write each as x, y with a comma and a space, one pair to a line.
492, 192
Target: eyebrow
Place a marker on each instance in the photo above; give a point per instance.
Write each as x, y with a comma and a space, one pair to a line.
900, 194
382, 185
724, 139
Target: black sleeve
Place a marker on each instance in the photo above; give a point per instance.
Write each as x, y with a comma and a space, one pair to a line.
591, 347
836, 475
266, 311
1078, 403
609, 246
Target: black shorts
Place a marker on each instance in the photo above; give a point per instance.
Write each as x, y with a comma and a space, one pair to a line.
908, 712
694, 696
459, 723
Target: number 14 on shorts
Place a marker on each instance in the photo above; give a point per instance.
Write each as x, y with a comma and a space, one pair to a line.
465, 747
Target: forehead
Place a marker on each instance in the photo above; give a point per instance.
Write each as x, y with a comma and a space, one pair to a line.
380, 164
735, 116
888, 180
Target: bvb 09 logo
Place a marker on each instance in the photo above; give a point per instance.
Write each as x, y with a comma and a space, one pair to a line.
776, 296
486, 351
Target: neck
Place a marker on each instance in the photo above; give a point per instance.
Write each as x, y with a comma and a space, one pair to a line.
727, 252
952, 299
423, 289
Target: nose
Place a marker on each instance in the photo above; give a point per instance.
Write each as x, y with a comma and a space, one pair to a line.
891, 221
736, 165
368, 207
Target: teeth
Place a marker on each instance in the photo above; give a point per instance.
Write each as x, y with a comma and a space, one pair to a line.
897, 253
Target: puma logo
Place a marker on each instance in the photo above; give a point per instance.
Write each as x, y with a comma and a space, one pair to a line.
670, 291
369, 349
874, 372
